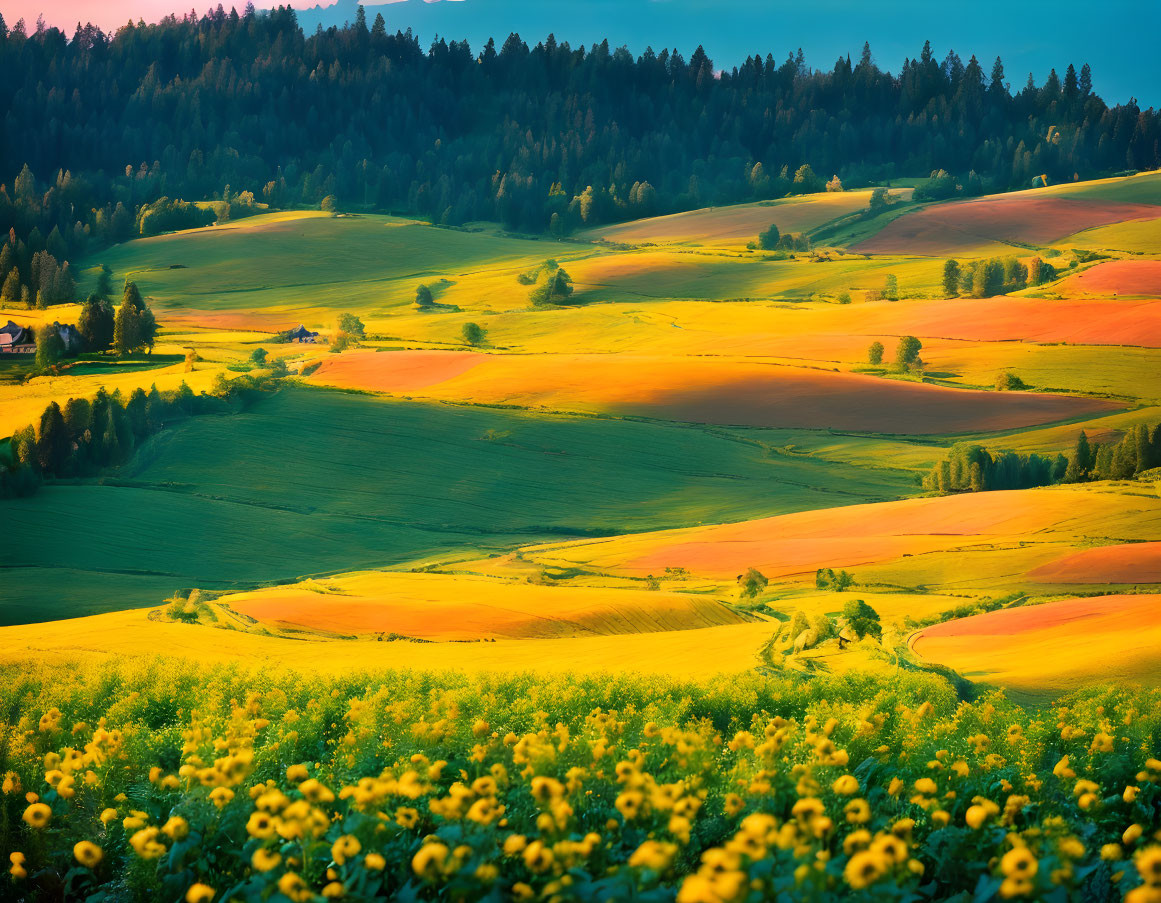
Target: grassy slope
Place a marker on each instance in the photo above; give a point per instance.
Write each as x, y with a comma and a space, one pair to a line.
313, 481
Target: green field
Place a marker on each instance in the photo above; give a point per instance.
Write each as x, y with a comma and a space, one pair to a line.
308, 261
316, 481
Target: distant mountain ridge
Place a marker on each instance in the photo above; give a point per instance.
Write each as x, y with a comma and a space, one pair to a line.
1030, 36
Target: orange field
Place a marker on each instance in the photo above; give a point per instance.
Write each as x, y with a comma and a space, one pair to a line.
719, 391
1118, 277
1130, 563
443, 607
800, 543
1008, 319
1023, 219
1054, 646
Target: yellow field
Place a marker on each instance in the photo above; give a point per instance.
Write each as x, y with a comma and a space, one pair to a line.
131, 635
1055, 647
445, 607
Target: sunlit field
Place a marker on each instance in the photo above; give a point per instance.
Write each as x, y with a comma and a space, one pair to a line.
497, 474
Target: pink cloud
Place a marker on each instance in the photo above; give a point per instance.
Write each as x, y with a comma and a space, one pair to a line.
109, 14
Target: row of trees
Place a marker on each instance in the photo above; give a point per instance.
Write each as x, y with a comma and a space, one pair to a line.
84, 437
970, 467
991, 276
544, 137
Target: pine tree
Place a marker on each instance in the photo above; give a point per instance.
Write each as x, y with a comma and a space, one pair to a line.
126, 329
133, 297
52, 441
10, 293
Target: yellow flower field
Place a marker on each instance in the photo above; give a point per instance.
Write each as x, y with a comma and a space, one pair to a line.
166, 781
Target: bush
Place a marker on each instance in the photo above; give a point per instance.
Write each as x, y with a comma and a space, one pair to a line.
473, 333
1009, 382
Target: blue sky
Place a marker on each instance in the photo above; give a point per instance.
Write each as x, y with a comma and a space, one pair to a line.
1119, 38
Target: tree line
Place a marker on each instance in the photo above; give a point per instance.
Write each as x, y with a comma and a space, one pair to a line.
970, 467
85, 437
244, 108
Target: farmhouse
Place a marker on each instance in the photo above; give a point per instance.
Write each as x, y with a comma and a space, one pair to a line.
301, 335
17, 340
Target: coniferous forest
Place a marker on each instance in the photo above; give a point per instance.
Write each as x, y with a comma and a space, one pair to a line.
244, 107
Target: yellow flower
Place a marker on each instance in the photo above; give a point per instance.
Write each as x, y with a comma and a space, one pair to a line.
221, 796
847, 785
926, 786
858, 812
199, 893
653, 855
429, 860
976, 816
316, 792
37, 815
346, 847
292, 886
514, 844
1148, 863
406, 817
374, 862
629, 803
1019, 863
896, 786
264, 860
260, 825
1015, 887
334, 890
733, 804
1111, 852
87, 854
108, 815
146, 845
296, 774
17, 870
1132, 834
538, 857
177, 828
864, 869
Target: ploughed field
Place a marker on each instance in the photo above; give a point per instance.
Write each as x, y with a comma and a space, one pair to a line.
588, 484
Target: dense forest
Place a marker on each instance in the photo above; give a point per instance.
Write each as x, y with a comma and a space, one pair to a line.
243, 108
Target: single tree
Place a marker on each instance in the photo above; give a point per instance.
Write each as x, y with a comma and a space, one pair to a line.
258, 357
474, 333
352, 326
10, 292
880, 199
891, 287
862, 619
768, 240
95, 323
951, 278
105, 282
132, 296
752, 582
554, 286
908, 350
329, 204
423, 297
127, 330
875, 353
49, 347
52, 441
